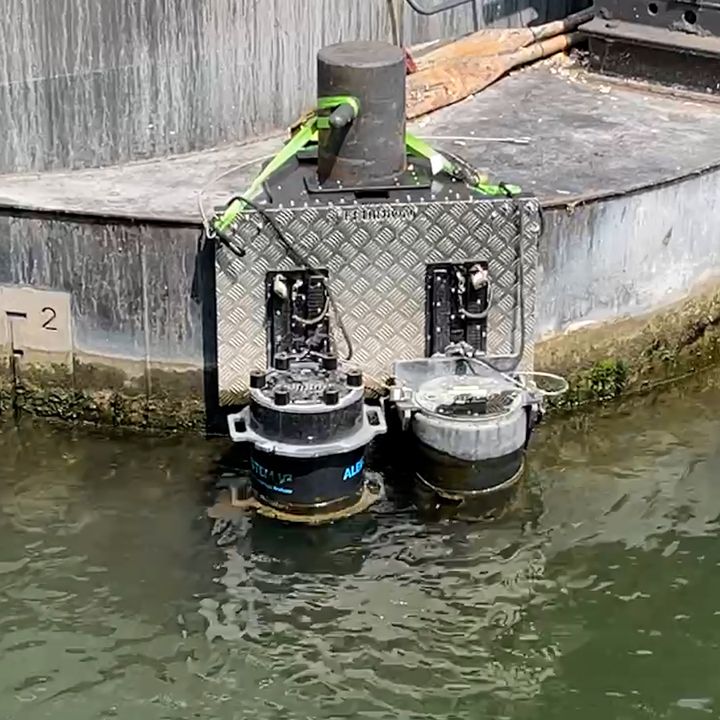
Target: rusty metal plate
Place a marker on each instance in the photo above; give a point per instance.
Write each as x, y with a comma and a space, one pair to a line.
376, 256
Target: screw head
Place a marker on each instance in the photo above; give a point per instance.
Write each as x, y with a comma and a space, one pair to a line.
257, 379
281, 396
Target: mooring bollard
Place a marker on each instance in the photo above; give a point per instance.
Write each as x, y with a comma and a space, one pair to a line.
369, 147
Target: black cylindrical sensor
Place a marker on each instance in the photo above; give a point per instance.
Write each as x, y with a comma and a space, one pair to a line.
257, 379
281, 396
354, 378
371, 147
282, 362
331, 396
329, 362
308, 486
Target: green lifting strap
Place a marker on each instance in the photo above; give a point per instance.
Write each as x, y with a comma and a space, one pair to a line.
303, 137
307, 133
298, 141
439, 163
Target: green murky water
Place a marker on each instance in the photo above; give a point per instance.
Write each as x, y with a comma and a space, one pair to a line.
599, 597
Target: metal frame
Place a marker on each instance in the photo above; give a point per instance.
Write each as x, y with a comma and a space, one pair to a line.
447, 5
377, 256
655, 41
681, 18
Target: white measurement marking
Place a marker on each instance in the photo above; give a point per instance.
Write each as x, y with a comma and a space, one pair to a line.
33, 319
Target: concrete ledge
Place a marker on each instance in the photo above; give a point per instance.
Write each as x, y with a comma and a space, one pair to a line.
562, 134
635, 355
631, 186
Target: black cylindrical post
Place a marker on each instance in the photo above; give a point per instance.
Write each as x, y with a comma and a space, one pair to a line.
371, 147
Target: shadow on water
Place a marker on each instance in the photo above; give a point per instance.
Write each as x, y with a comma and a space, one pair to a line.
341, 548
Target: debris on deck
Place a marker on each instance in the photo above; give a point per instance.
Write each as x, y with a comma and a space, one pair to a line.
443, 75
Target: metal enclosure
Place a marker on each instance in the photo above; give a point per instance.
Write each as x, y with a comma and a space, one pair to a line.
669, 42
376, 255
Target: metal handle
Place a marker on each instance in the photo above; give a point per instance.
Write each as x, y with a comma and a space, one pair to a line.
375, 424
342, 116
236, 435
448, 5
379, 427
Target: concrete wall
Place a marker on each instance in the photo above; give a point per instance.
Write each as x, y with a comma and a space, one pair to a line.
140, 299
113, 329
628, 255
96, 82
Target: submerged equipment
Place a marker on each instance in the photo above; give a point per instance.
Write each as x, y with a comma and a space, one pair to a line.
309, 428
470, 424
395, 211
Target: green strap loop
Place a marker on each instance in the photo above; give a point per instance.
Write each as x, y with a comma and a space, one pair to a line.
334, 101
307, 134
303, 137
502, 189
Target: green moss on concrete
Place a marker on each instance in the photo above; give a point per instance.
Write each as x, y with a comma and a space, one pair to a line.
633, 356
603, 363
176, 399
6, 385
5, 400
604, 380
53, 392
91, 376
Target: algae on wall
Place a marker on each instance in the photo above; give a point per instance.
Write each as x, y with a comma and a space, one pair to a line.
635, 355
101, 394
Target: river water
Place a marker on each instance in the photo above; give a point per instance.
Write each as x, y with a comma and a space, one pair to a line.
597, 596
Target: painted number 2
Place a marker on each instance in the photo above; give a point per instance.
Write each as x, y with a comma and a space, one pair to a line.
49, 314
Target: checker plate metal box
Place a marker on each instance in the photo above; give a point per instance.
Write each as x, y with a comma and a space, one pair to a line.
376, 255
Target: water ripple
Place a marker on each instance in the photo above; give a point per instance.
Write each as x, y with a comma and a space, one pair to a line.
116, 604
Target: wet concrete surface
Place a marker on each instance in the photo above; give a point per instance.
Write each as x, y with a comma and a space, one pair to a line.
579, 136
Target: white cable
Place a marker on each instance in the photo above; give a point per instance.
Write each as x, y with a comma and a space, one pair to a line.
318, 318
564, 385
516, 378
474, 138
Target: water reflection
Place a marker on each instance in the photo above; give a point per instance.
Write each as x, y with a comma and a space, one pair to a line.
594, 592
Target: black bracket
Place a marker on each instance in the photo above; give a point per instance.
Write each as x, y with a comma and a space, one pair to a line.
457, 302
297, 307
669, 42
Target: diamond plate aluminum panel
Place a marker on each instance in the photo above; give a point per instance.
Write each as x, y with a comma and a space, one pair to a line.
376, 256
